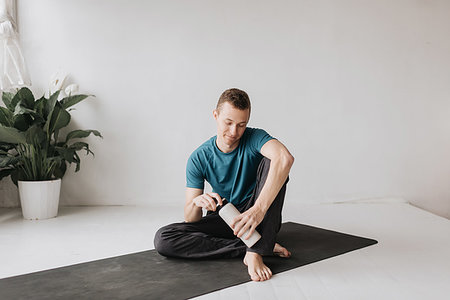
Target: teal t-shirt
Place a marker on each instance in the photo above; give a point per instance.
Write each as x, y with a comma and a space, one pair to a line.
231, 175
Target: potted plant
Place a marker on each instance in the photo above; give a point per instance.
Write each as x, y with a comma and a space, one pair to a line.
32, 151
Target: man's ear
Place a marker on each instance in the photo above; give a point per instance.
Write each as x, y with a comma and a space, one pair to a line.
215, 114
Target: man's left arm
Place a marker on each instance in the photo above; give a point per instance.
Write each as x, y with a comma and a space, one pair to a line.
281, 162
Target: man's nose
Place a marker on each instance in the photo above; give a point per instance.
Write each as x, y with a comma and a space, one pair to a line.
233, 130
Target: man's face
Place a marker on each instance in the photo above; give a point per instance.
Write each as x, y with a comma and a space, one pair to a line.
231, 123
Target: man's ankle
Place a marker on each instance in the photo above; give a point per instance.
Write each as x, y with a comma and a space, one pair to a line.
253, 253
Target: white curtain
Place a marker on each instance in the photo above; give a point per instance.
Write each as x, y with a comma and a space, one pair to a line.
13, 72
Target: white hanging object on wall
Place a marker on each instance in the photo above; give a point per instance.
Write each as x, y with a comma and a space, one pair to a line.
13, 72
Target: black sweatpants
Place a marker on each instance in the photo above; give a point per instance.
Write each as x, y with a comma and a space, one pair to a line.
211, 237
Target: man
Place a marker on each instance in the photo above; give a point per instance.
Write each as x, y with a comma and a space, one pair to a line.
250, 169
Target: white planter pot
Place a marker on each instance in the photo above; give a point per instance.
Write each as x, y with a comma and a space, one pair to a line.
39, 199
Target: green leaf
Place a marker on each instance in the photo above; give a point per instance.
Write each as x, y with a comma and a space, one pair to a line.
5, 117
61, 118
6, 161
23, 97
16, 175
35, 135
5, 147
5, 173
35, 163
51, 103
66, 153
40, 107
57, 119
7, 99
78, 162
72, 100
31, 116
3, 152
60, 169
77, 134
22, 122
79, 146
53, 163
11, 135
20, 110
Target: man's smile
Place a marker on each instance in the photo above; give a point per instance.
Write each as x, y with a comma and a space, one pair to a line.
231, 138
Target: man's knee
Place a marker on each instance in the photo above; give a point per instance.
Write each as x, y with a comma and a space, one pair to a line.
162, 240
263, 170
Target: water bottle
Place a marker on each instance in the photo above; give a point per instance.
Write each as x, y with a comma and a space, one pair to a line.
228, 212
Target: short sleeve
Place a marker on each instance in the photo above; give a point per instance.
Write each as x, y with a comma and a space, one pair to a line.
194, 174
258, 137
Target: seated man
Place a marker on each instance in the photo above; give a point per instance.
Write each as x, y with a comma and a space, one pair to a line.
250, 169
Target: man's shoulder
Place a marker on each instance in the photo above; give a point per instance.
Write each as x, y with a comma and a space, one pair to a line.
254, 132
250, 130
204, 150
255, 138
208, 145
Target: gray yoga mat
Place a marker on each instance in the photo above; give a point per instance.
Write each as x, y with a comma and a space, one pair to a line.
147, 275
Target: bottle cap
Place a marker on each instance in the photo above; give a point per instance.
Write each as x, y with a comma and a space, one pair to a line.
224, 202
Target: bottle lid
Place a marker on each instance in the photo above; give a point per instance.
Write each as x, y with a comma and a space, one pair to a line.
224, 202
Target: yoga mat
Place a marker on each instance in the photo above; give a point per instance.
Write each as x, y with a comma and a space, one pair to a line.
148, 275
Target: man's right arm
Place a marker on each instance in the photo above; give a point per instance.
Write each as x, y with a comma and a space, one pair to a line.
196, 200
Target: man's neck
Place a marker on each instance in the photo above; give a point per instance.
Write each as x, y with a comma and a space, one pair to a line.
224, 147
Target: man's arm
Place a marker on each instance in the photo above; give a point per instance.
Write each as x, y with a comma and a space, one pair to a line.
281, 162
196, 200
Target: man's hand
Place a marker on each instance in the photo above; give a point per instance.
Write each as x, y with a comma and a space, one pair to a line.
207, 201
248, 220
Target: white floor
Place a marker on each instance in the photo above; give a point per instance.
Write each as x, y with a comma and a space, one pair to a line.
411, 260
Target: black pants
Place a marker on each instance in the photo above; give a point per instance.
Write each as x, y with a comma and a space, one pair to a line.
211, 237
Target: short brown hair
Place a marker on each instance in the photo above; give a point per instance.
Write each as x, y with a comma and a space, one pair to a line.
238, 98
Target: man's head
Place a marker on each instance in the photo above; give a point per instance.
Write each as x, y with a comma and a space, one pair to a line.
232, 115
237, 98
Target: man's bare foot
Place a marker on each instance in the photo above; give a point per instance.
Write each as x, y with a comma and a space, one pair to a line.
257, 270
280, 251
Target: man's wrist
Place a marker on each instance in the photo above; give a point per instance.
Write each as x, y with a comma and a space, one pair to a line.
261, 205
194, 207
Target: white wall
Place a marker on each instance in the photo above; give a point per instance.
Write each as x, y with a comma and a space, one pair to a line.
357, 90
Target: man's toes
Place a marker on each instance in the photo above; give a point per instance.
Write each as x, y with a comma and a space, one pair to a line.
261, 275
268, 273
264, 274
255, 277
285, 253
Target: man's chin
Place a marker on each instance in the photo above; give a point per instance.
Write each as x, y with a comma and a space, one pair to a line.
231, 142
